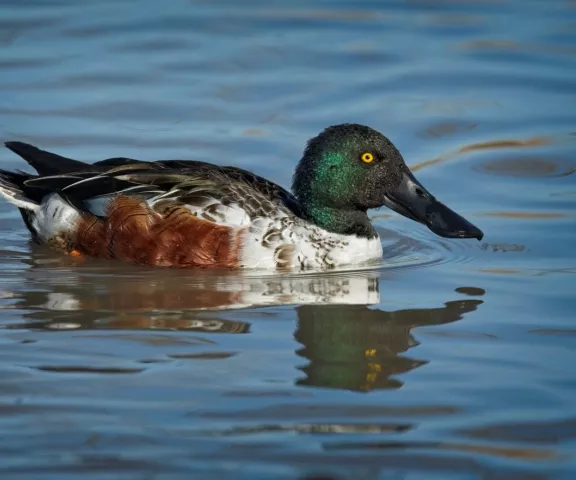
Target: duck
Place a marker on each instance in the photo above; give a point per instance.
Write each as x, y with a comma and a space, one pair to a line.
195, 214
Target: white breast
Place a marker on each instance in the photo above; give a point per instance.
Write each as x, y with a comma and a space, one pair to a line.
54, 217
287, 243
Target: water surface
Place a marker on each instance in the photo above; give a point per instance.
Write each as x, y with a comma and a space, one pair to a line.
453, 360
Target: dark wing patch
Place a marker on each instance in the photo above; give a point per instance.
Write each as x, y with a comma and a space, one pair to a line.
118, 162
187, 181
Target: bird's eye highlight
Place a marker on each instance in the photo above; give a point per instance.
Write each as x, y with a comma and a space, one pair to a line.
367, 157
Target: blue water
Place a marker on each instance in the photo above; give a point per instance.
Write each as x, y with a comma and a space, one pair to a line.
454, 360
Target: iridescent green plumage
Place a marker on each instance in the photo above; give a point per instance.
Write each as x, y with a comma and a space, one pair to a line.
335, 187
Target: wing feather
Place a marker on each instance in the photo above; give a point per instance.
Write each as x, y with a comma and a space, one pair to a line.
225, 195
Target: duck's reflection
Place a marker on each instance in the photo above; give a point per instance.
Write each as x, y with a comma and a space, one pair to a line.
56, 298
358, 348
347, 343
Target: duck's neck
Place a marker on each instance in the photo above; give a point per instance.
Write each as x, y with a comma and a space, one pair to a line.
337, 220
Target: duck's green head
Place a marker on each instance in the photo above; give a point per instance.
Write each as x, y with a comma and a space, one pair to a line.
348, 169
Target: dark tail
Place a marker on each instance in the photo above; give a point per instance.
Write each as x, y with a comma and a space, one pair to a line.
45, 163
12, 188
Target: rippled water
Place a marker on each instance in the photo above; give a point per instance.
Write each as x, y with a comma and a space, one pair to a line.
454, 360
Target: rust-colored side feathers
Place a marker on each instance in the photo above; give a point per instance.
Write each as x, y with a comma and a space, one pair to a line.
168, 236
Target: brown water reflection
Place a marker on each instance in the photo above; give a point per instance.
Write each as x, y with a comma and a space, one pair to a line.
520, 453
128, 290
348, 344
507, 46
488, 145
529, 167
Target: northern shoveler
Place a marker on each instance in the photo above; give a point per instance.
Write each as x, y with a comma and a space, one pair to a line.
176, 213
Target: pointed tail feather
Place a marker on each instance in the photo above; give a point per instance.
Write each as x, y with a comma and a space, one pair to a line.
45, 163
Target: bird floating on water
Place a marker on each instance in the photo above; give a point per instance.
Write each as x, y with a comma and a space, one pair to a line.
185, 214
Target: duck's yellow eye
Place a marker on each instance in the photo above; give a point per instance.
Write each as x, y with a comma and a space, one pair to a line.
367, 157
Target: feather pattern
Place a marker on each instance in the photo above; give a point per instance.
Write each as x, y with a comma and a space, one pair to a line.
176, 213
